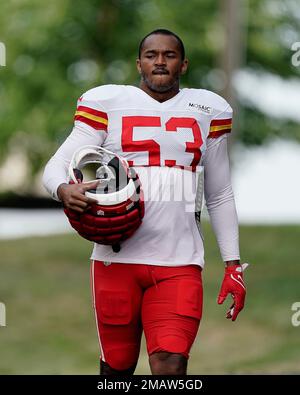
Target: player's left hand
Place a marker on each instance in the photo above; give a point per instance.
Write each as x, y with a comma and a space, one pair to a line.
233, 283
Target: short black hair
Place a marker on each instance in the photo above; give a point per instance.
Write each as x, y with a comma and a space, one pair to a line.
166, 33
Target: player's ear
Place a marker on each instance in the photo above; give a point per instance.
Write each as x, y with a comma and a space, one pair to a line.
138, 65
184, 66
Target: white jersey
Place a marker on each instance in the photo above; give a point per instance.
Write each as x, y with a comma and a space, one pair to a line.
167, 143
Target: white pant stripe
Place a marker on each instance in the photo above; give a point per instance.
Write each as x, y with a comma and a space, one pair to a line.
95, 309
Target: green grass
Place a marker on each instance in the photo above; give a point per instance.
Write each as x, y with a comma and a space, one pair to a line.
44, 283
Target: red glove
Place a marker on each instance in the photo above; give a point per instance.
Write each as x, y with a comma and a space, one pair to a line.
233, 283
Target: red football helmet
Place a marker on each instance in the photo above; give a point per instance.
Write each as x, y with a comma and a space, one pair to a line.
120, 207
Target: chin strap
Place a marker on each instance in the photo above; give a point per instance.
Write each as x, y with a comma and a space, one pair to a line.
116, 247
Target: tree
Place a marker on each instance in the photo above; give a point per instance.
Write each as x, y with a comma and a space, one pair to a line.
59, 49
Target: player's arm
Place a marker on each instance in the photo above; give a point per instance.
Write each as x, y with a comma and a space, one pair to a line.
222, 211
90, 128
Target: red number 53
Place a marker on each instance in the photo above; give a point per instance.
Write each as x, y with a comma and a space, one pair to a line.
130, 145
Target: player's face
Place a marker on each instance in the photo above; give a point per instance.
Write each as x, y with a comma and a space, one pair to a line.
160, 64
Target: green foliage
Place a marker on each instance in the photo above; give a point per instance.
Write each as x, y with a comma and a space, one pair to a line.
59, 49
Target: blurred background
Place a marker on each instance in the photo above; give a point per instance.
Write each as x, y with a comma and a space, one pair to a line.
50, 53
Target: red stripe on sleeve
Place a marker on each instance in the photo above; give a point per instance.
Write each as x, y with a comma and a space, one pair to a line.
94, 124
218, 133
218, 122
92, 111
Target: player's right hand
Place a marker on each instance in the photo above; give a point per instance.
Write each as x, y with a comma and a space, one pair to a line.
73, 196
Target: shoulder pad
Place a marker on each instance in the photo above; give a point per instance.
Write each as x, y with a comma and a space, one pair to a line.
211, 99
102, 95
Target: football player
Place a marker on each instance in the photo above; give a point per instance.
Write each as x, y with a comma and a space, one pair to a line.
153, 283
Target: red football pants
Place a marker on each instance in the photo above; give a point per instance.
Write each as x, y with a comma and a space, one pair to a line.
165, 302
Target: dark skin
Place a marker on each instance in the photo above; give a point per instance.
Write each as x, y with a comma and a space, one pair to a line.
73, 196
160, 66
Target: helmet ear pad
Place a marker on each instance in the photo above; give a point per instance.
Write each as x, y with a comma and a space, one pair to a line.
79, 176
120, 173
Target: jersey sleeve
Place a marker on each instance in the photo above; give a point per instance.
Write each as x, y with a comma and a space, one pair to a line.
220, 200
90, 114
221, 123
90, 128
